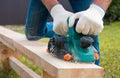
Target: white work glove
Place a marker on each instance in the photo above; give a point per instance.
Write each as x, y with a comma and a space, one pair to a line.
90, 21
60, 16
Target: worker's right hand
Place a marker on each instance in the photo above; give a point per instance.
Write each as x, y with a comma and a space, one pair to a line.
60, 16
90, 21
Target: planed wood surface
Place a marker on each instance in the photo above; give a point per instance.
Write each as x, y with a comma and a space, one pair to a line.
21, 69
35, 51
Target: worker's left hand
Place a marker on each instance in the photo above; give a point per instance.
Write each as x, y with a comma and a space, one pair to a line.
90, 21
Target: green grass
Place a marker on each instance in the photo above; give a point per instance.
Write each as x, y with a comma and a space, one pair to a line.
110, 50
109, 47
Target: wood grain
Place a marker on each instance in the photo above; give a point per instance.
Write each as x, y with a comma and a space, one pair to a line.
35, 51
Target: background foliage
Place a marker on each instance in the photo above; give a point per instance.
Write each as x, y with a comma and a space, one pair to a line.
113, 12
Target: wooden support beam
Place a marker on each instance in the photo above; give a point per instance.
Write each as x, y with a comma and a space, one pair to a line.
35, 51
21, 69
5, 53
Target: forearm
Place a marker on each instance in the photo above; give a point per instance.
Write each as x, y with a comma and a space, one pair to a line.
49, 3
103, 3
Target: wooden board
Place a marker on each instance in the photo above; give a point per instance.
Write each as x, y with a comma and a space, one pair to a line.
35, 51
21, 69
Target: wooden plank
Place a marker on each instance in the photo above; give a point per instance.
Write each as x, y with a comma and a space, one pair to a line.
35, 51
21, 69
45, 75
5, 53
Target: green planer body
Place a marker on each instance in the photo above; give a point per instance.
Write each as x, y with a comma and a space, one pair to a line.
77, 45
80, 46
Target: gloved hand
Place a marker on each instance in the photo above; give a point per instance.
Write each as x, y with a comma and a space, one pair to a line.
90, 21
60, 16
